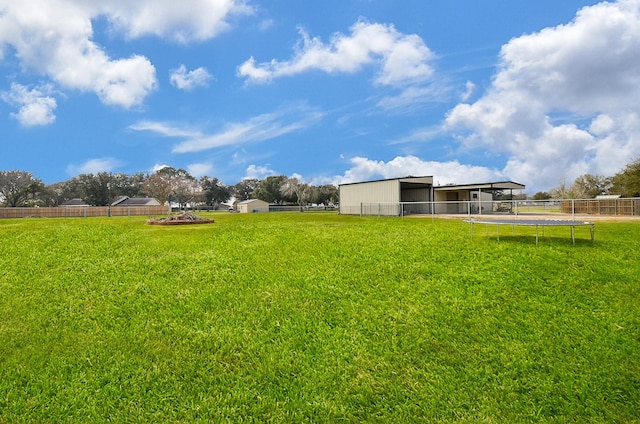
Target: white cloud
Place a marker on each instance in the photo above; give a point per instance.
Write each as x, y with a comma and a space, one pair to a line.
188, 80
402, 59
470, 88
258, 172
36, 106
259, 128
158, 166
197, 20
589, 70
422, 134
199, 169
453, 172
54, 38
165, 129
94, 166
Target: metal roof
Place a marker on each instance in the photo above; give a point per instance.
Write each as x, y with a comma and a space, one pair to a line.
408, 179
501, 185
244, 202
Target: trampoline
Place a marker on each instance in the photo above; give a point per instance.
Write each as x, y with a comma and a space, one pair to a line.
533, 223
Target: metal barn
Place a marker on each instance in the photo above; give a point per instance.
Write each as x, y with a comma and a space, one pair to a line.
417, 195
392, 197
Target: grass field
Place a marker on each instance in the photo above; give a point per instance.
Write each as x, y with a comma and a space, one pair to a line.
316, 317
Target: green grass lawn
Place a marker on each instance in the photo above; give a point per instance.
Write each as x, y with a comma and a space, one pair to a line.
316, 317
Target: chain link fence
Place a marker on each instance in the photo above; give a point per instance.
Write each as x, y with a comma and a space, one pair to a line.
627, 207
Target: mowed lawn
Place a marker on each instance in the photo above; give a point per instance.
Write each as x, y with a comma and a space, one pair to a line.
316, 317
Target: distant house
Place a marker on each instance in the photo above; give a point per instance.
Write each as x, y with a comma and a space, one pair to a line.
77, 202
253, 205
135, 201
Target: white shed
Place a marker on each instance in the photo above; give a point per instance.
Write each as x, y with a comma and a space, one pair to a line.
253, 205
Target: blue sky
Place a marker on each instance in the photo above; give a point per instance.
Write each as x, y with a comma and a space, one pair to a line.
327, 91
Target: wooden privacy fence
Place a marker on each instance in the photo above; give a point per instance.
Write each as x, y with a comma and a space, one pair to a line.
83, 211
616, 207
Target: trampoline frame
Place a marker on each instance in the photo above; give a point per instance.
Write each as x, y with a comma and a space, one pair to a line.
533, 223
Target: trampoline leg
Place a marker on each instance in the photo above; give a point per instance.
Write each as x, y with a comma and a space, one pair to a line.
536, 235
573, 236
592, 233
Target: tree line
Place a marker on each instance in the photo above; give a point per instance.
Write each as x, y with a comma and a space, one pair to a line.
168, 184
625, 183
21, 188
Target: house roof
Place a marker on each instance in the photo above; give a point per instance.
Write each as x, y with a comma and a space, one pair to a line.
74, 202
135, 201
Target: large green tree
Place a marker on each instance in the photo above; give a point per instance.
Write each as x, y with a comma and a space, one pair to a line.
214, 191
159, 186
327, 195
269, 189
588, 186
98, 189
302, 192
627, 181
17, 186
541, 195
170, 183
244, 189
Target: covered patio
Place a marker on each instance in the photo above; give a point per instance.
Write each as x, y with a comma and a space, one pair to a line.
473, 198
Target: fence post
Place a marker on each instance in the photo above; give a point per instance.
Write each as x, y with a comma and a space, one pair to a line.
433, 210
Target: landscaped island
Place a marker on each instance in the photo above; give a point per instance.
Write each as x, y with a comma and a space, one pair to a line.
181, 219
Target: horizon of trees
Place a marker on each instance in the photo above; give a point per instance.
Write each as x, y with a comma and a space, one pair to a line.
625, 183
168, 184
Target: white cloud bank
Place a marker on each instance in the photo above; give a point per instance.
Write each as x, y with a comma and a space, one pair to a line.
564, 100
94, 166
402, 59
54, 38
453, 172
36, 106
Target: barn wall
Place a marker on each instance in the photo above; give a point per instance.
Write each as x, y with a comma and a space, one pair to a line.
353, 196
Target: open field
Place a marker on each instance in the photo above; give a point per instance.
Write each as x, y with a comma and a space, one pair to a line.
316, 317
